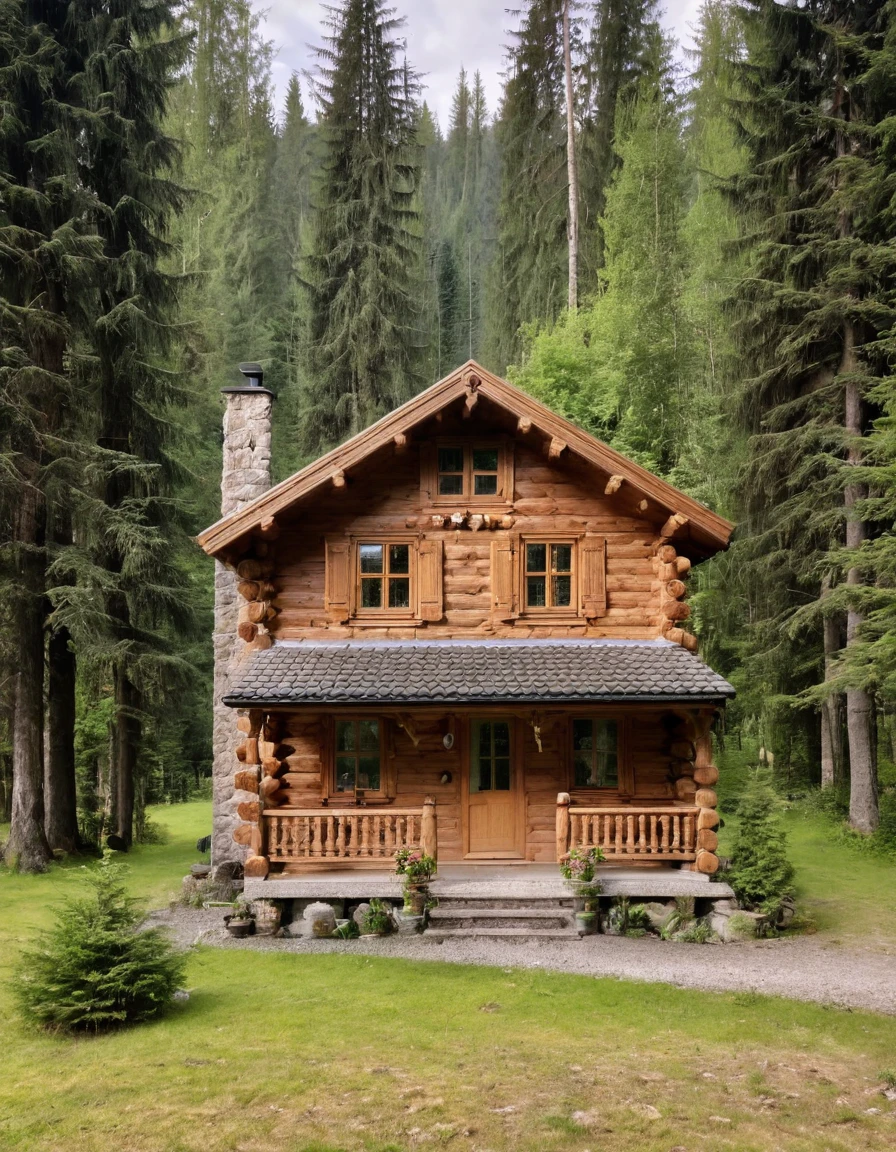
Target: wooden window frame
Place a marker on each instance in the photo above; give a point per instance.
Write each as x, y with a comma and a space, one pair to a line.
429, 473
571, 611
382, 615
381, 793
625, 774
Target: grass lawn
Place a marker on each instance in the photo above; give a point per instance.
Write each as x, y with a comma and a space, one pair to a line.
287, 1053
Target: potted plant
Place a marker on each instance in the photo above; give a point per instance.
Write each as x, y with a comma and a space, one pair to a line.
377, 920
417, 870
240, 921
579, 868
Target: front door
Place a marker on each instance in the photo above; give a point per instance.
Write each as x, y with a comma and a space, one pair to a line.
492, 802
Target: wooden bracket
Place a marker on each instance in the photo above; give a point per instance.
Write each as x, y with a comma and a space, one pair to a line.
524, 425
674, 524
406, 724
338, 479
556, 448
400, 442
613, 485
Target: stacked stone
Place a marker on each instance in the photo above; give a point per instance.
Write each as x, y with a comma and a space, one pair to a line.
245, 476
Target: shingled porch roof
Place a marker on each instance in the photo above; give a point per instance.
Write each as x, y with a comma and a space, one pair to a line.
405, 672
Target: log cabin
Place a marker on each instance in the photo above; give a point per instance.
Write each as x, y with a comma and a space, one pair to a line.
463, 630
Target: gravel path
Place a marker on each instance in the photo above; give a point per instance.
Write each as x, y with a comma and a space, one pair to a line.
802, 968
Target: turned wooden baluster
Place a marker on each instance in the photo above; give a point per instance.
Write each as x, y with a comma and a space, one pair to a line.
676, 833
630, 837
642, 839
330, 849
664, 836
618, 823
606, 820
377, 835
341, 822
688, 834
365, 836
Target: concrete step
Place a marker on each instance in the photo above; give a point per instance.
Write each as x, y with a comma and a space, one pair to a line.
501, 917
551, 903
508, 933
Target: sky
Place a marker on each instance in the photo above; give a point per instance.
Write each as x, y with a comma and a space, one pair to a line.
442, 36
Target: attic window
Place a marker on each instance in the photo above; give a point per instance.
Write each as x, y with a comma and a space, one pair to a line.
469, 473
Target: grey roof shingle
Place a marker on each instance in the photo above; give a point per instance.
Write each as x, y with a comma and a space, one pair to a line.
474, 672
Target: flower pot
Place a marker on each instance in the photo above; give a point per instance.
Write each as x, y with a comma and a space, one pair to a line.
586, 923
267, 917
415, 899
239, 928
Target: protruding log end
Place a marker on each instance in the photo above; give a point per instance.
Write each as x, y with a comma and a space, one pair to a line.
256, 868
246, 781
524, 425
338, 479
247, 631
685, 789
613, 485
708, 818
707, 775
707, 862
556, 448
249, 810
400, 442
706, 798
707, 839
674, 524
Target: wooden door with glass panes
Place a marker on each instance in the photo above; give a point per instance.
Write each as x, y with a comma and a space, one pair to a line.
493, 810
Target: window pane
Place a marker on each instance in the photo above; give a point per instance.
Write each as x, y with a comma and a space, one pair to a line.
399, 593
535, 592
345, 773
369, 772
399, 558
371, 557
485, 485
582, 735
485, 460
485, 738
345, 735
502, 775
451, 459
561, 557
595, 753
536, 557
561, 591
371, 593
502, 738
582, 771
369, 732
451, 485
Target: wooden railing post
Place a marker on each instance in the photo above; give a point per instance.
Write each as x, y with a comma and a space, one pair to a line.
429, 843
562, 825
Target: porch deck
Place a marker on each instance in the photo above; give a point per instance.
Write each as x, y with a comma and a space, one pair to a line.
520, 881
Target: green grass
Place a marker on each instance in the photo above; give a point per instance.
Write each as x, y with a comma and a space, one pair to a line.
289, 1053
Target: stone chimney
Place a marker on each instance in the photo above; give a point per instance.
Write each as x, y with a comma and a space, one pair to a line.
245, 475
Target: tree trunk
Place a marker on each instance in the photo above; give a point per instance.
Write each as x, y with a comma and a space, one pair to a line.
572, 220
864, 814
125, 739
832, 708
27, 848
60, 796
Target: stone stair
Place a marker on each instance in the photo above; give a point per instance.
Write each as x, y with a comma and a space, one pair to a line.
539, 918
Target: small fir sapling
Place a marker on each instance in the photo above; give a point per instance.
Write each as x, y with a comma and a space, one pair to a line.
96, 969
761, 874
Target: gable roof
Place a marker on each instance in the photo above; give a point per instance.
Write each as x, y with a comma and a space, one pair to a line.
707, 531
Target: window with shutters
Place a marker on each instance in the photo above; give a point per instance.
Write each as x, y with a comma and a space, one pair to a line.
475, 473
595, 752
379, 580
548, 577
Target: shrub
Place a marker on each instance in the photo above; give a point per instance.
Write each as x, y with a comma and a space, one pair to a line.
761, 874
97, 970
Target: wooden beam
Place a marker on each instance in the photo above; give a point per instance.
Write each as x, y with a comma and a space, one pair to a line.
338, 479
613, 485
524, 425
400, 441
470, 403
674, 524
269, 529
556, 447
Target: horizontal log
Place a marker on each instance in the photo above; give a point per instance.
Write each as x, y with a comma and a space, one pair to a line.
249, 589
247, 631
251, 569
675, 589
676, 610
667, 553
242, 834
685, 788
707, 862
249, 810
682, 750
706, 798
707, 839
246, 781
708, 818
707, 775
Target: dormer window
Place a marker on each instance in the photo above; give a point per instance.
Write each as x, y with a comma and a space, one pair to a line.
468, 473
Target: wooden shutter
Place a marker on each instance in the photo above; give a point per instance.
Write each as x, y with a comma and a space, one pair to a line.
593, 575
339, 579
429, 477
504, 551
429, 579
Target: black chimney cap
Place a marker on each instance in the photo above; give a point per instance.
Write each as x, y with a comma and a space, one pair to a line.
254, 378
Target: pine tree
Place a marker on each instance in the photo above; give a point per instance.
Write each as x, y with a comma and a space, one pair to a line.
47, 267
814, 304
367, 246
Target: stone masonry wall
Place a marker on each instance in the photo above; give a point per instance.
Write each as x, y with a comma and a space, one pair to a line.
245, 475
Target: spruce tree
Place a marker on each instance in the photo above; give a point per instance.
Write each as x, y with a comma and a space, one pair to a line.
367, 247
48, 265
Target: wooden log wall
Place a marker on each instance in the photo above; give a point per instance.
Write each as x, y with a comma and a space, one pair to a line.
561, 496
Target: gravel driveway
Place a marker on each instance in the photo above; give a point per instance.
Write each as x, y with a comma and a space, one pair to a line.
803, 968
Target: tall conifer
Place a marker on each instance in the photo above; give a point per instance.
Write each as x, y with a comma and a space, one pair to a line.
366, 255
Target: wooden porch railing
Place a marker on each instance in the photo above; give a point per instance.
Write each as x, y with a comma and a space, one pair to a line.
628, 833
352, 835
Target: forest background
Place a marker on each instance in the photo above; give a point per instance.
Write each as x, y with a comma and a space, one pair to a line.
693, 262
